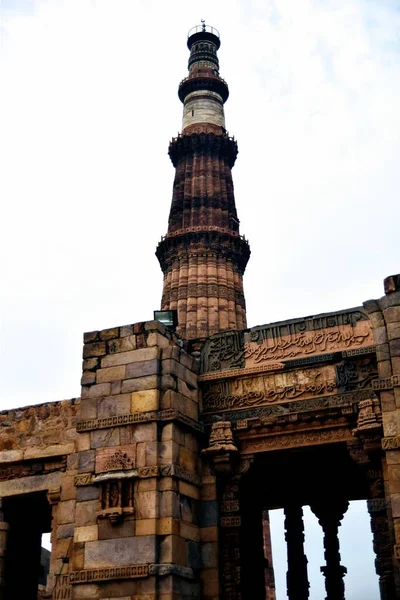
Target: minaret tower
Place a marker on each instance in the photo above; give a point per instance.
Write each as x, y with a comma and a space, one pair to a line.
203, 256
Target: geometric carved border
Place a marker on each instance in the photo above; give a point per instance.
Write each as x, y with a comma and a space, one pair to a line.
170, 470
309, 438
386, 384
139, 417
90, 575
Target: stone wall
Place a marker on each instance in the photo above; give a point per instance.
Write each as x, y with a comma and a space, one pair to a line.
36, 431
127, 520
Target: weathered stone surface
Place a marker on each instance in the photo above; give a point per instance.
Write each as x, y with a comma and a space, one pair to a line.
86, 461
125, 358
99, 390
142, 369
90, 364
139, 384
209, 513
66, 511
87, 492
109, 334
105, 437
25, 485
90, 336
109, 530
85, 513
393, 331
119, 552
144, 432
156, 339
86, 534
144, 401
88, 378
111, 406
111, 374
126, 330
96, 349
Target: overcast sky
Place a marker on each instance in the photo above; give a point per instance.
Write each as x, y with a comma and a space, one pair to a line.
88, 105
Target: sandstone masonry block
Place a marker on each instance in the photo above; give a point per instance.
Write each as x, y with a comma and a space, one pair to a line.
90, 336
113, 406
392, 314
88, 378
85, 513
119, 552
86, 461
109, 334
126, 330
105, 437
156, 339
96, 349
140, 383
111, 374
125, 358
86, 534
66, 512
90, 364
124, 344
99, 390
393, 330
142, 368
88, 409
146, 400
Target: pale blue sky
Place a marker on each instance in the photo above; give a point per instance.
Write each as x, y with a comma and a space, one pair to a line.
88, 106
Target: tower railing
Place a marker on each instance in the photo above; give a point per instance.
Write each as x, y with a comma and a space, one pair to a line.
203, 28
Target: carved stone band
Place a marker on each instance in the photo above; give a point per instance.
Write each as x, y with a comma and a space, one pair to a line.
171, 470
139, 417
90, 575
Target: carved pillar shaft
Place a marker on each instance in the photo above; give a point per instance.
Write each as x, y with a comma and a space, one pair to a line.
382, 539
329, 517
296, 578
230, 542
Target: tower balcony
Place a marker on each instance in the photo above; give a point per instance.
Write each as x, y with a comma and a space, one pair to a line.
209, 82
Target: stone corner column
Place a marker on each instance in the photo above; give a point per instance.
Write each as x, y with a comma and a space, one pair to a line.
385, 316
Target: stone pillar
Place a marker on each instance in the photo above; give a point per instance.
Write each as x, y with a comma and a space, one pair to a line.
329, 515
373, 471
230, 522
3, 547
296, 578
385, 316
269, 575
382, 541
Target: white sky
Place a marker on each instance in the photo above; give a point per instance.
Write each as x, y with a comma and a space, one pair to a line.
88, 105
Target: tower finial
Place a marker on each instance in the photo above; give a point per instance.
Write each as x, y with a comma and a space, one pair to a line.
203, 24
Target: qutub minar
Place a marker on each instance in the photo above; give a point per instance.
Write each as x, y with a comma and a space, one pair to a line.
156, 483
203, 256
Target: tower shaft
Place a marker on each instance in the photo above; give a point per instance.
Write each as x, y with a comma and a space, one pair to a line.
203, 256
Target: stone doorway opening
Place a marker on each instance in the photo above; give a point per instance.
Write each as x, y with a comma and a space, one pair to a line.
26, 565
324, 478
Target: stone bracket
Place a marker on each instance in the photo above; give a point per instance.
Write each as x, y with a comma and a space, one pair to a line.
166, 569
170, 470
